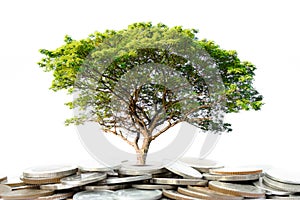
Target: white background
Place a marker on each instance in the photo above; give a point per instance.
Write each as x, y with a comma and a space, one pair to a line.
263, 32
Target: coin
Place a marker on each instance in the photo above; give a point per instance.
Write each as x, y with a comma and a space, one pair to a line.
2, 178
281, 186
178, 181
140, 171
106, 187
13, 182
184, 170
94, 166
50, 171
175, 195
26, 194
115, 180
58, 186
4, 189
202, 165
287, 198
242, 177
84, 178
153, 187
137, 194
191, 193
235, 171
164, 175
284, 176
21, 187
40, 181
58, 196
236, 189
214, 194
94, 195
269, 190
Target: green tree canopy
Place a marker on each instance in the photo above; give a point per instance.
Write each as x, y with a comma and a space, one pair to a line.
113, 73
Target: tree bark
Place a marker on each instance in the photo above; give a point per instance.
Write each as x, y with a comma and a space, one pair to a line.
143, 152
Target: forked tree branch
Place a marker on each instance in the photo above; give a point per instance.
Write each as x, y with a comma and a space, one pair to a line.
165, 129
133, 143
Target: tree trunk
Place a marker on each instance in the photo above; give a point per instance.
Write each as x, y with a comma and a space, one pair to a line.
141, 154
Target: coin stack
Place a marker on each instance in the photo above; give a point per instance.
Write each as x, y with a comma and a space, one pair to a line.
188, 179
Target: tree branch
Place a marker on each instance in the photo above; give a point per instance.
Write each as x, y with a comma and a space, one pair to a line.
120, 134
165, 129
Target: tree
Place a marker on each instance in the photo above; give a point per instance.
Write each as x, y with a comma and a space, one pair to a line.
139, 82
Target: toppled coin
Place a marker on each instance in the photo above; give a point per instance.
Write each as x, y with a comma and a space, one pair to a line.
184, 170
202, 165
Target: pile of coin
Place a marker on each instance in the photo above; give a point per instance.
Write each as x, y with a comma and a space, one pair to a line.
188, 179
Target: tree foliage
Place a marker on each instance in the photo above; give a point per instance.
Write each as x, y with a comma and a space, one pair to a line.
95, 68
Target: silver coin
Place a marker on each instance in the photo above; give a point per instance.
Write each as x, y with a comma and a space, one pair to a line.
84, 178
94, 195
26, 187
153, 187
26, 194
281, 186
244, 177
58, 196
4, 189
184, 170
284, 176
287, 198
112, 174
175, 195
140, 171
202, 165
50, 171
237, 189
58, 186
214, 194
149, 165
269, 190
178, 181
94, 166
106, 187
115, 180
137, 194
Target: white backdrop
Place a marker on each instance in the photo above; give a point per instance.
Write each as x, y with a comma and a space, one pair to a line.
263, 32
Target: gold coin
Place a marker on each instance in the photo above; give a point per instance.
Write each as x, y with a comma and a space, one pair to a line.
235, 171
